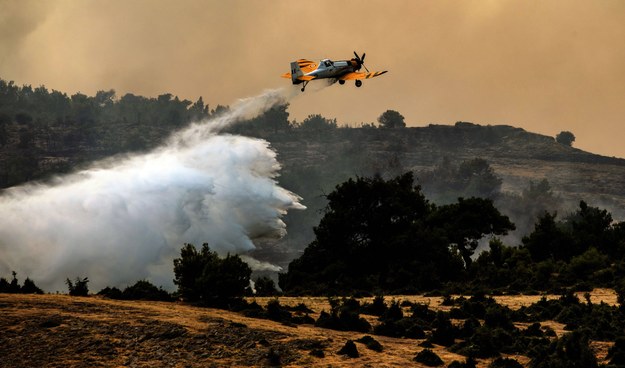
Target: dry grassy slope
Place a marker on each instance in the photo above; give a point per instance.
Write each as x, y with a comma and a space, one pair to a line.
63, 331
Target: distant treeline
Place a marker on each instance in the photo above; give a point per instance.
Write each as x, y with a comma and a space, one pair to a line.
45, 132
13, 286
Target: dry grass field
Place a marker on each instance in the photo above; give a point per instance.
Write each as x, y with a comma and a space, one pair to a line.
64, 331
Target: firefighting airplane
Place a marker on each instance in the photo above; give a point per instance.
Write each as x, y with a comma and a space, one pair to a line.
303, 71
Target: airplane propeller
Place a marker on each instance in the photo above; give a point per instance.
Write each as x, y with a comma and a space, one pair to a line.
361, 60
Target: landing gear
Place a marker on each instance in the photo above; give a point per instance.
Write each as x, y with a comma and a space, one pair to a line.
304, 86
358, 83
341, 82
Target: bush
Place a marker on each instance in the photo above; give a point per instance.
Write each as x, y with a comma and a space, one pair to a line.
79, 287
570, 351
349, 349
405, 327
376, 308
498, 316
444, 332
344, 316
371, 343
505, 363
429, 358
393, 313
144, 290
469, 363
111, 293
277, 312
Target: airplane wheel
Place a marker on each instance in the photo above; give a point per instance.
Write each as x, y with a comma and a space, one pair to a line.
358, 83
302, 89
341, 82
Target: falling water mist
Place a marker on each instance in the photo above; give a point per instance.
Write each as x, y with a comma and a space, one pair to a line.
125, 219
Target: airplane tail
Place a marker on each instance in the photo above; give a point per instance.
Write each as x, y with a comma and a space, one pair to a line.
296, 72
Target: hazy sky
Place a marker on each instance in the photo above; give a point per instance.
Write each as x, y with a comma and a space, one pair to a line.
545, 66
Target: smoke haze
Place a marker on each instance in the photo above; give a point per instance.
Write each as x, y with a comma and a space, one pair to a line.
545, 66
126, 219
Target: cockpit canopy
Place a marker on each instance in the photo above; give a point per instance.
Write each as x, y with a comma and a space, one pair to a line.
326, 63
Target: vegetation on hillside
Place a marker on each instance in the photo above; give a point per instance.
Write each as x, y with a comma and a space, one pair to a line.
383, 228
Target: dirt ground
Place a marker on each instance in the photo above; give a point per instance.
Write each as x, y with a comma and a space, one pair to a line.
64, 331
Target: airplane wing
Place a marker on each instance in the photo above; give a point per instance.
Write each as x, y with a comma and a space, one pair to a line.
302, 78
360, 75
305, 65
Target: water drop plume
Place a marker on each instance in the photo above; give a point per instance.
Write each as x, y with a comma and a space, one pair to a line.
125, 219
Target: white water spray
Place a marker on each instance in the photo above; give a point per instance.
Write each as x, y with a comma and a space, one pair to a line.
119, 222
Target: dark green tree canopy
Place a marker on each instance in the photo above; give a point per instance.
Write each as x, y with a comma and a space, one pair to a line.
391, 119
317, 123
471, 178
566, 138
468, 221
585, 228
203, 276
379, 235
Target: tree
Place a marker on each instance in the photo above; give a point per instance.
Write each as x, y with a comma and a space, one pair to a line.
317, 123
585, 228
105, 98
188, 270
468, 221
277, 118
203, 276
265, 287
78, 287
4, 285
549, 240
391, 119
566, 138
592, 227
479, 179
29, 287
374, 236
471, 178
23, 118
14, 286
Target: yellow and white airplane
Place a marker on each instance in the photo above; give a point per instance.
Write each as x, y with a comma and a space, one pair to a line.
303, 71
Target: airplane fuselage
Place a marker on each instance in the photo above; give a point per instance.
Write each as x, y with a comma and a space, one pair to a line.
303, 71
332, 69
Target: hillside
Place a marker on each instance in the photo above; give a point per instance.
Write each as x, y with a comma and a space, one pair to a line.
48, 133
315, 161
63, 331
516, 155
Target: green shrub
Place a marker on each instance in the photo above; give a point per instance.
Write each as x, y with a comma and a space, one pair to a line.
144, 290
429, 358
